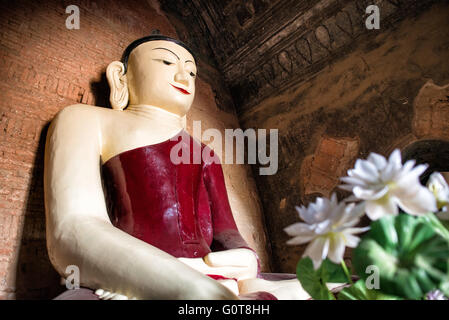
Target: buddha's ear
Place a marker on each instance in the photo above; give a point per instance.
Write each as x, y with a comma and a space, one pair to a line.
115, 73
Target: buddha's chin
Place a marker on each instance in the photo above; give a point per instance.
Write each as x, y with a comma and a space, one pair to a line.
176, 107
179, 107
180, 110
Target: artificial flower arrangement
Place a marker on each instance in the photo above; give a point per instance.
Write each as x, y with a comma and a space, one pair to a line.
403, 254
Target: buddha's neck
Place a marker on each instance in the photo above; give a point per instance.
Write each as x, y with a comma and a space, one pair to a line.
168, 119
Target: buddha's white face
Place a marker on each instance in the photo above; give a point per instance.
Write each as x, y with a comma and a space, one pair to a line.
162, 74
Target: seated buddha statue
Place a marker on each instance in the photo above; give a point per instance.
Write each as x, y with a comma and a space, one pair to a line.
136, 224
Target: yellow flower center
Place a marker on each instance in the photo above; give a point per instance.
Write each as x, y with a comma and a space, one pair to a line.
392, 185
384, 199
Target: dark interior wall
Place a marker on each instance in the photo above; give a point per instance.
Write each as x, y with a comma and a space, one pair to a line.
335, 90
361, 101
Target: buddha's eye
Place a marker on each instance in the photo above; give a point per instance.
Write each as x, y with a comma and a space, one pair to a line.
192, 74
166, 62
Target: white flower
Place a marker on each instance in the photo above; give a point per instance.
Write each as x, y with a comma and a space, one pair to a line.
438, 186
329, 227
435, 295
384, 185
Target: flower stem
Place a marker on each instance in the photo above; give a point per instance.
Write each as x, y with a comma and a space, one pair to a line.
437, 225
345, 269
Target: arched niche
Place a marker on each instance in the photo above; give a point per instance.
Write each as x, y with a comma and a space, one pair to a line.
435, 153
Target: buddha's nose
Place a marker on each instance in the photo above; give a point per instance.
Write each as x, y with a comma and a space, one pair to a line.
182, 77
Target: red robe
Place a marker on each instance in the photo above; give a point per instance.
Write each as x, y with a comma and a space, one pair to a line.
182, 209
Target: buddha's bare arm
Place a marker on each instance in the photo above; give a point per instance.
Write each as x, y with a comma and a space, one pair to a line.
80, 233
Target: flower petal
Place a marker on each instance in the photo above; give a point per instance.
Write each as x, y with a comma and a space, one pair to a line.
315, 251
337, 249
353, 181
420, 169
298, 229
301, 239
356, 230
347, 187
351, 217
351, 240
303, 213
393, 167
354, 212
411, 179
438, 186
438, 180
360, 174
368, 167
378, 209
370, 194
339, 212
395, 158
309, 215
379, 161
388, 173
421, 202
408, 166
325, 248
351, 198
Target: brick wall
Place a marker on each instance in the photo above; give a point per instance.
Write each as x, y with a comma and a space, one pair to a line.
46, 67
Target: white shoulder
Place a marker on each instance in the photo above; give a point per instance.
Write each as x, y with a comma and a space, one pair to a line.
78, 117
77, 111
76, 124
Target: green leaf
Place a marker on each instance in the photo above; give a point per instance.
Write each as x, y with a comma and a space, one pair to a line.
384, 232
445, 225
404, 228
411, 255
358, 291
332, 273
441, 227
311, 281
314, 281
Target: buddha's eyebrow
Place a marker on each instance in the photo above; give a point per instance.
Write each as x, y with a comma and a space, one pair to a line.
168, 51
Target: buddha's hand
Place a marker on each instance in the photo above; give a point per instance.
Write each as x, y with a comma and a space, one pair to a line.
107, 295
231, 284
241, 263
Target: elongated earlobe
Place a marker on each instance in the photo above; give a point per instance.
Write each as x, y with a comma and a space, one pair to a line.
115, 73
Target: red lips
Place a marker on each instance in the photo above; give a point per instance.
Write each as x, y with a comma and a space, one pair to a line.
180, 89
